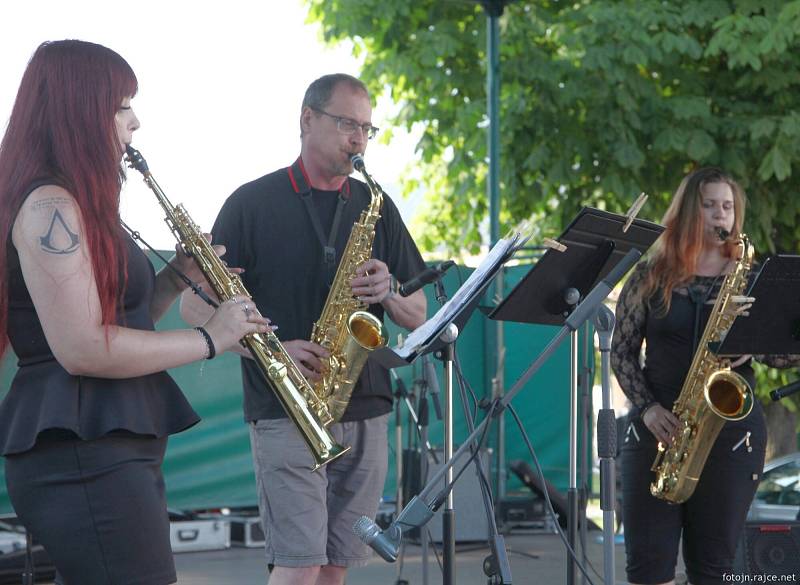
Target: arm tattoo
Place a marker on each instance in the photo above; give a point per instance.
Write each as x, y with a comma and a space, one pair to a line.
59, 238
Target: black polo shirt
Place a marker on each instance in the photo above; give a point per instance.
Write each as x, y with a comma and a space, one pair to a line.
268, 231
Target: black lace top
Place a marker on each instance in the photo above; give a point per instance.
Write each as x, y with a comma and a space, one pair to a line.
670, 340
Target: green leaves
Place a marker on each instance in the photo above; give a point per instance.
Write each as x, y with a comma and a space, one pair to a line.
776, 164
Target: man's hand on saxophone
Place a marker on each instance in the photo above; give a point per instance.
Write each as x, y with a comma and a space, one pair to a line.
375, 287
307, 356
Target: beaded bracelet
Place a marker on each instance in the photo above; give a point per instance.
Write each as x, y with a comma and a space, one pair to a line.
211, 351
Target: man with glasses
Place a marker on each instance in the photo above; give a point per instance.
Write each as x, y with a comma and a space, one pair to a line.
288, 230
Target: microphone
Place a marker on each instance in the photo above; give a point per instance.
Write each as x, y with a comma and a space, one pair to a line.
387, 542
785, 391
427, 276
429, 374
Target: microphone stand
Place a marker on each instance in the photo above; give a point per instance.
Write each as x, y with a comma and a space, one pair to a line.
29, 573
419, 419
447, 355
423, 477
495, 566
400, 392
607, 441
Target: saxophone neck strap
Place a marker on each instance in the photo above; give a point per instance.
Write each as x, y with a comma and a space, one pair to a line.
302, 186
196, 288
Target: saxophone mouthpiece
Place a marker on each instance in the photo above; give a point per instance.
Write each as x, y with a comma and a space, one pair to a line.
358, 162
135, 159
722, 233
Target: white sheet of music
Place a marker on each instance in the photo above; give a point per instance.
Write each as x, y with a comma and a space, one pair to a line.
423, 334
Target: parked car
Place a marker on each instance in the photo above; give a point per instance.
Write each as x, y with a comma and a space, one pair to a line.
778, 494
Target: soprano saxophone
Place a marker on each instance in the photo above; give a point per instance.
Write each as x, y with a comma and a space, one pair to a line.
344, 328
308, 413
711, 394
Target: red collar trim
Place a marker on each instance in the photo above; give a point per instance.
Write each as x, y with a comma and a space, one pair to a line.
301, 183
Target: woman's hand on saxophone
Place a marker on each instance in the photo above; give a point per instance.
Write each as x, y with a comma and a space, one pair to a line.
661, 422
186, 264
233, 320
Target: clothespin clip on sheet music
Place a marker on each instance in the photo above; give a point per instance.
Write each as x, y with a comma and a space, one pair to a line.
555, 245
634, 211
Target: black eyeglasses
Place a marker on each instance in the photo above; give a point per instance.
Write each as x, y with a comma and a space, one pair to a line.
349, 126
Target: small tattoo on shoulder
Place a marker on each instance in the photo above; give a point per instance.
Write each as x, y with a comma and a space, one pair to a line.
59, 239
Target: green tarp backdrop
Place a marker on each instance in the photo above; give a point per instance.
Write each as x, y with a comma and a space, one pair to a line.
209, 466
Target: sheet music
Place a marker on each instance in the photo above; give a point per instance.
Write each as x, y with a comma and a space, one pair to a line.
423, 334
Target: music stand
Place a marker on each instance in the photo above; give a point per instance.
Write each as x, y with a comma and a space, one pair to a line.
595, 241
595, 244
773, 326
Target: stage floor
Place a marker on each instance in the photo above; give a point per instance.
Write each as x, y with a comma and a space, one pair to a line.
534, 559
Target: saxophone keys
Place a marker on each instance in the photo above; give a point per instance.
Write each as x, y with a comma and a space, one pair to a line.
276, 371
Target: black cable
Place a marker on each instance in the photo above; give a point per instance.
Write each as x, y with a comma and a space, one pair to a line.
547, 496
442, 495
463, 380
196, 289
471, 422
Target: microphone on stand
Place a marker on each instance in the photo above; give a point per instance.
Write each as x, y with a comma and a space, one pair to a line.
387, 542
785, 391
427, 276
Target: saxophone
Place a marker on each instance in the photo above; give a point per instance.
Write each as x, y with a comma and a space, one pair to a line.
711, 394
344, 328
304, 408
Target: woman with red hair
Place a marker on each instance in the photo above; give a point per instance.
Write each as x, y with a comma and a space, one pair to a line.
667, 302
84, 425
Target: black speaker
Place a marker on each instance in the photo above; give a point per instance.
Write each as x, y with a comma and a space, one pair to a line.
769, 549
470, 515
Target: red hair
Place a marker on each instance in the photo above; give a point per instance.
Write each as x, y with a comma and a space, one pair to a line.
62, 128
677, 250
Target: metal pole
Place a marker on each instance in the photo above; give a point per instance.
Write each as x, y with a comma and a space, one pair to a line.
607, 442
572, 492
448, 516
494, 329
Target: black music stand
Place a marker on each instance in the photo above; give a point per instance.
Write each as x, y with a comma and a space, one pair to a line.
773, 326
595, 241
595, 244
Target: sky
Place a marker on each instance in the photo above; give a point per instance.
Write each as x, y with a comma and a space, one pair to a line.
220, 88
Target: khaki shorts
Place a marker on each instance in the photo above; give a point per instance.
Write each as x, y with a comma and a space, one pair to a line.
308, 516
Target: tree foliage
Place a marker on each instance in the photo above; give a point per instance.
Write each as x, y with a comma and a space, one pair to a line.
599, 102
